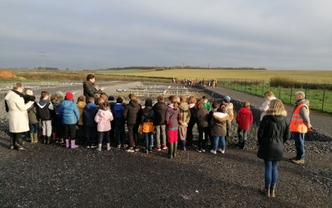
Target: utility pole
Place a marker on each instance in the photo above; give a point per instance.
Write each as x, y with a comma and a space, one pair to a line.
96, 65
43, 56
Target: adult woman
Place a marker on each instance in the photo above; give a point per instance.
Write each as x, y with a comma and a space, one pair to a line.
17, 115
273, 132
89, 87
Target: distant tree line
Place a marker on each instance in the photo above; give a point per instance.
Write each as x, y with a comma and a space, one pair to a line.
183, 67
47, 68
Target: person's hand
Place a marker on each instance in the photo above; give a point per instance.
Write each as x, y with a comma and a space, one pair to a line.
102, 88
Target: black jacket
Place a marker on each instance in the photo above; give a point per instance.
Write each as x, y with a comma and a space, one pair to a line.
273, 132
160, 109
89, 89
148, 114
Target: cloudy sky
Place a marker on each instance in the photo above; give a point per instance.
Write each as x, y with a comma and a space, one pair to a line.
86, 34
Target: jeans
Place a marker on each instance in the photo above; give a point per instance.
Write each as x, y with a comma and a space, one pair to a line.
160, 132
102, 135
299, 145
271, 172
218, 139
90, 134
148, 140
34, 128
242, 134
119, 131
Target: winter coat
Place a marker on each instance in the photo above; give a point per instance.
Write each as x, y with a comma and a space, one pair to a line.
185, 114
81, 105
117, 110
45, 110
32, 113
89, 89
193, 114
160, 109
148, 114
219, 123
272, 133
172, 118
89, 113
17, 112
68, 112
202, 117
133, 112
244, 118
103, 119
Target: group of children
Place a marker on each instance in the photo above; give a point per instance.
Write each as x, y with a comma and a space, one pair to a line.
95, 121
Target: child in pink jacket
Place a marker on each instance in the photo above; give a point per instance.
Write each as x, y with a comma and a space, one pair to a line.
103, 119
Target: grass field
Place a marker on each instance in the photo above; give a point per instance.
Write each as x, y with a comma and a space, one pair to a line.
312, 76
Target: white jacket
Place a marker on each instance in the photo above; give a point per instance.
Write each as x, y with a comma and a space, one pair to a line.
265, 106
17, 114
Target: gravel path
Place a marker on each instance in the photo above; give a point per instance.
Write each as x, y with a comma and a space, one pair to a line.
53, 176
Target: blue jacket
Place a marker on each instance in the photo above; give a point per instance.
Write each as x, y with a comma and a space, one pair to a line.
117, 110
89, 113
68, 112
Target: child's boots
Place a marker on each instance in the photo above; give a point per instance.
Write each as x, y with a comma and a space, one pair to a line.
72, 144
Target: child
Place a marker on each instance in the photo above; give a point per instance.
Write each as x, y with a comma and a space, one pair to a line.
192, 121
89, 113
45, 112
69, 115
203, 125
103, 119
119, 124
173, 117
81, 103
243, 118
219, 121
147, 125
207, 104
230, 110
57, 126
268, 97
33, 119
160, 122
185, 118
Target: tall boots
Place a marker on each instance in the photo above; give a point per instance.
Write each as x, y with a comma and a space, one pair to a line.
47, 139
35, 137
72, 144
269, 191
67, 143
172, 150
99, 147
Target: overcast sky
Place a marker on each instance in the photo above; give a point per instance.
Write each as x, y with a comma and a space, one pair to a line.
82, 34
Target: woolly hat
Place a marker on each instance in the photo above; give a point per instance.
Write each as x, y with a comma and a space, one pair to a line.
148, 102
69, 96
226, 99
59, 94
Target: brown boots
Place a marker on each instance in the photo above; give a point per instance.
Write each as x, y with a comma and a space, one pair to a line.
269, 191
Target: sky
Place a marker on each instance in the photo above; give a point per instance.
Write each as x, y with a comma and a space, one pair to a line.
99, 34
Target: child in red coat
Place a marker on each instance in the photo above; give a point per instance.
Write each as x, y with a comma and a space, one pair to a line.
243, 118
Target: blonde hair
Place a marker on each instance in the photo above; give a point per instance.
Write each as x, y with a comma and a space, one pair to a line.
276, 108
268, 94
246, 104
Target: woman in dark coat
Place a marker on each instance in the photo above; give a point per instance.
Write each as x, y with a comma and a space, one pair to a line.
273, 132
89, 87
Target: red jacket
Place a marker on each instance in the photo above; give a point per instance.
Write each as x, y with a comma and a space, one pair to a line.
244, 118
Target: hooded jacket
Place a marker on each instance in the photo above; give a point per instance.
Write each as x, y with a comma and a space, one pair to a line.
219, 123
133, 112
17, 112
89, 113
68, 112
103, 119
244, 118
160, 109
45, 110
185, 113
32, 113
117, 110
272, 133
172, 118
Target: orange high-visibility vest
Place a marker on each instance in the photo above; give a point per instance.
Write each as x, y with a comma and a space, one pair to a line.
296, 122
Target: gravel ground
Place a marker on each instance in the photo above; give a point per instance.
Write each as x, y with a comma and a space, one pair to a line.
53, 176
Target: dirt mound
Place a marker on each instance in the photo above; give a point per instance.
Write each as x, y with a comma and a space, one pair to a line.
6, 74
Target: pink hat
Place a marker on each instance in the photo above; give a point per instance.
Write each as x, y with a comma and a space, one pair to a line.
69, 96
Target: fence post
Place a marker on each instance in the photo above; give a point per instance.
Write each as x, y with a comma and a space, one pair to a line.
279, 92
291, 94
323, 98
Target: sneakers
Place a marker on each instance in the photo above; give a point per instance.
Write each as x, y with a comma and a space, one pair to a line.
213, 151
299, 162
93, 146
125, 146
118, 146
199, 150
136, 149
164, 147
158, 148
203, 150
130, 150
222, 151
88, 147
